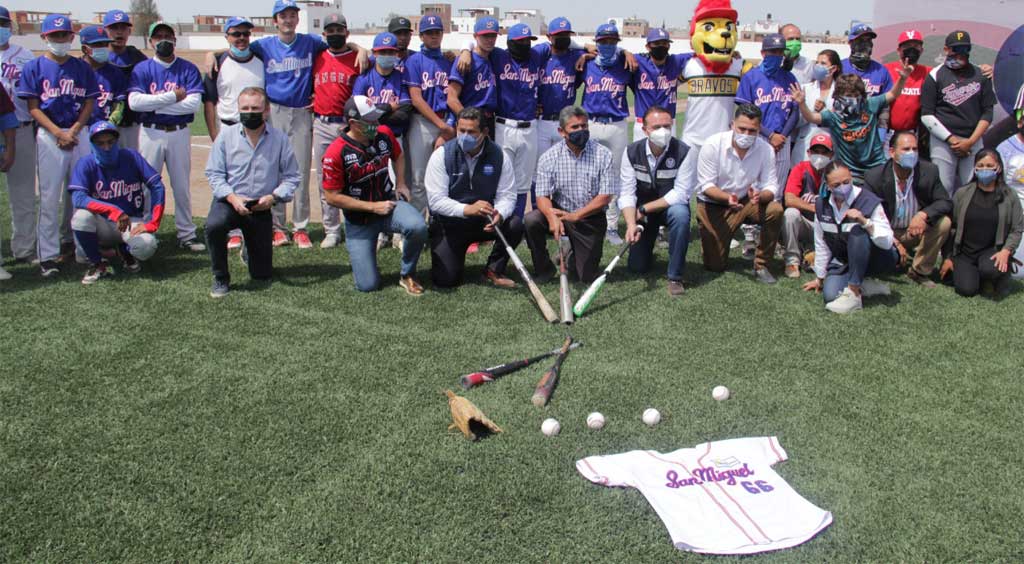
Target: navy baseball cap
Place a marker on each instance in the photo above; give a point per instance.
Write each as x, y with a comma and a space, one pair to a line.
859, 30
4, 14
235, 21
485, 26
93, 35
385, 41
116, 17
56, 23
520, 31
607, 30
559, 25
657, 34
430, 22
335, 19
773, 41
282, 5
101, 126
400, 23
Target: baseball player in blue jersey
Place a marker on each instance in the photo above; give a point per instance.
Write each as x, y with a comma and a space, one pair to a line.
656, 82
60, 91
118, 26
559, 81
111, 80
108, 192
21, 177
165, 92
477, 87
383, 85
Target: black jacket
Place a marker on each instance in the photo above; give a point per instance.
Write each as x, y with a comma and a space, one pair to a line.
932, 197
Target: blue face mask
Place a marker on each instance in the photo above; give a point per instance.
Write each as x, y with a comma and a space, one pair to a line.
387, 62
819, 72
606, 54
5, 35
843, 191
986, 176
908, 160
846, 106
106, 158
240, 53
432, 53
100, 54
771, 64
467, 142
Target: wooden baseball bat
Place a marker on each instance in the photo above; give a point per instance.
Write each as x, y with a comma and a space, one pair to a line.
493, 373
545, 308
564, 294
549, 380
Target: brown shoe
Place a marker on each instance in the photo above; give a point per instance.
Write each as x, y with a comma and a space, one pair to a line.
792, 271
920, 280
498, 280
675, 288
411, 286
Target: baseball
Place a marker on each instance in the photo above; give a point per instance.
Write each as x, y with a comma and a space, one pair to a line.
652, 416
720, 393
550, 427
595, 421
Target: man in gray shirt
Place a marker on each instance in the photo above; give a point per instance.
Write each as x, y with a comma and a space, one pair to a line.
251, 168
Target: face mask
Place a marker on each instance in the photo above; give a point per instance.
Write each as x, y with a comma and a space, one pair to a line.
579, 138
793, 47
100, 54
860, 55
846, 106
106, 158
370, 130
5, 35
165, 48
660, 137
335, 41
387, 62
908, 160
562, 43
240, 53
771, 64
912, 55
954, 63
819, 72
520, 51
743, 141
659, 53
787, 64
843, 191
820, 161
431, 53
467, 142
986, 176
606, 54
251, 120
58, 49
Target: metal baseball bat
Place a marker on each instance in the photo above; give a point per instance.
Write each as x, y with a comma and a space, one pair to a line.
588, 296
564, 294
493, 373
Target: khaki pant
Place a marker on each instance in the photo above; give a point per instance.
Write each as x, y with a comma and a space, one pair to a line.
718, 223
926, 246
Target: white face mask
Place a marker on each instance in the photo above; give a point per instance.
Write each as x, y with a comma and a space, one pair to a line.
660, 137
819, 161
59, 49
744, 141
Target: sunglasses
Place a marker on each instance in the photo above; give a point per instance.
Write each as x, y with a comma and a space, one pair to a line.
237, 34
962, 49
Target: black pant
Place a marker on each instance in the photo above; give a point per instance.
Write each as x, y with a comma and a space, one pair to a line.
585, 236
969, 271
257, 229
450, 237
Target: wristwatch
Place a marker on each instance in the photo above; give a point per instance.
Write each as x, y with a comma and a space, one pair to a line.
642, 210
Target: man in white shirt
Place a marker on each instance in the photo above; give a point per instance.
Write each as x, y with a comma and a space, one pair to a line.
799, 65
737, 184
470, 191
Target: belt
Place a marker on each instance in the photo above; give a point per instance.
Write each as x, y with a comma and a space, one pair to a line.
605, 119
514, 123
331, 119
228, 121
163, 127
550, 117
26, 123
440, 113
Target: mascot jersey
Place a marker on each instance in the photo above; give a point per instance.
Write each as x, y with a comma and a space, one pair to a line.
712, 76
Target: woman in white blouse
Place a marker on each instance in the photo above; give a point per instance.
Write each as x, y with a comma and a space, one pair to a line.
819, 96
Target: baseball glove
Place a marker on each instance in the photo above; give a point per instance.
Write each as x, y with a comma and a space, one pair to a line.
468, 418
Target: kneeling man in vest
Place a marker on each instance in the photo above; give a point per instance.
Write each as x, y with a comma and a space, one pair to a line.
470, 189
852, 240
651, 177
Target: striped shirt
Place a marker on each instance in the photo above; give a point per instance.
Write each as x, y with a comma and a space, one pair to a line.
571, 181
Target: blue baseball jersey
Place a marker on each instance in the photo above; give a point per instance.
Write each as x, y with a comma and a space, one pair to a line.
151, 77
559, 80
288, 69
96, 188
773, 97
382, 89
604, 89
61, 89
658, 85
481, 89
113, 89
877, 80
430, 75
517, 84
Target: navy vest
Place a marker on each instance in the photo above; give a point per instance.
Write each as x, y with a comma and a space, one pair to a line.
836, 233
483, 184
651, 185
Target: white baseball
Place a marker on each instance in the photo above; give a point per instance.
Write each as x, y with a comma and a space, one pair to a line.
595, 420
550, 427
652, 416
720, 393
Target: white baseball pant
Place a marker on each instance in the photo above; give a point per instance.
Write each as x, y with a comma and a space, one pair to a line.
106, 231
129, 137
174, 149
21, 190
520, 147
420, 140
55, 166
297, 124
547, 135
614, 136
323, 135
954, 171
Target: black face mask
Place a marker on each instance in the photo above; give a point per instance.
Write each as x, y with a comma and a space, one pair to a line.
787, 64
250, 120
912, 55
336, 41
164, 48
860, 53
519, 51
579, 138
562, 43
659, 53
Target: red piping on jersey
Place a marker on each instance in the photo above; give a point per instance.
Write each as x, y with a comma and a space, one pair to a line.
771, 443
601, 479
112, 212
744, 511
700, 461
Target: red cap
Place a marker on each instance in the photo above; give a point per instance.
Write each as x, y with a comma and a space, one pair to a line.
910, 35
823, 139
712, 9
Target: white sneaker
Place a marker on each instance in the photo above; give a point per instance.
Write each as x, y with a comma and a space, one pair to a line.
4, 275
330, 241
612, 236
734, 244
398, 242
872, 287
382, 241
847, 302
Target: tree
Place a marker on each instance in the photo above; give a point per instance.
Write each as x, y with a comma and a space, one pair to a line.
144, 13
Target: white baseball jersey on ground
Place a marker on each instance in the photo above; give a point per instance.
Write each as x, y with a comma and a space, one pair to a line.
520, 148
721, 497
55, 165
711, 101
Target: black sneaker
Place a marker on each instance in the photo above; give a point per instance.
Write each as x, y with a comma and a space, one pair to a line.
219, 289
49, 268
131, 264
193, 245
97, 271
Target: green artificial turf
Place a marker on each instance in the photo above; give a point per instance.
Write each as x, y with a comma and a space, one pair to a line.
142, 421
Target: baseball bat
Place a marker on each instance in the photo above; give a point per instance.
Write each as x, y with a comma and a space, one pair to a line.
549, 380
545, 308
493, 373
564, 295
588, 296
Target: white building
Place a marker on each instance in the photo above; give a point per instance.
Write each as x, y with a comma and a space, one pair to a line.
466, 20
313, 12
532, 18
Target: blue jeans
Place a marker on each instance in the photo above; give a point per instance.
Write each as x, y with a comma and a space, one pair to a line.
641, 255
863, 259
361, 242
